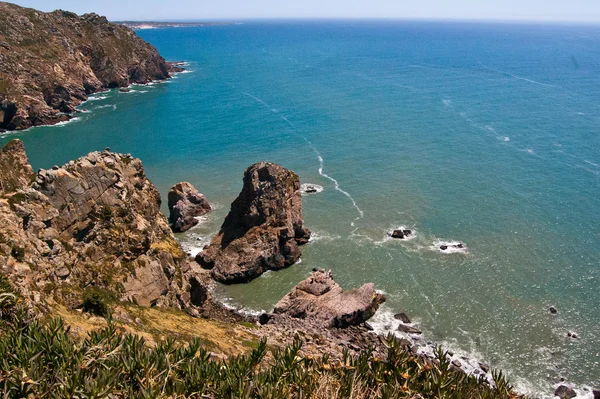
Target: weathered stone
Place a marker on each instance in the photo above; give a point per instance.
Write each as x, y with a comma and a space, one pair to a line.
263, 230
565, 392
185, 204
320, 298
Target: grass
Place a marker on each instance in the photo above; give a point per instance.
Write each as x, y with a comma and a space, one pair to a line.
43, 359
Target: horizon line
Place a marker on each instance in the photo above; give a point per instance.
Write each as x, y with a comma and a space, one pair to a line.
516, 20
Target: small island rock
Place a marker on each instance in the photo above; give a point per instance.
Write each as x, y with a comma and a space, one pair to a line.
263, 230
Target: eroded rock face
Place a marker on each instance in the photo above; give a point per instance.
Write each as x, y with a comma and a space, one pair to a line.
185, 204
320, 298
15, 171
96, 222
263, 230
51, 62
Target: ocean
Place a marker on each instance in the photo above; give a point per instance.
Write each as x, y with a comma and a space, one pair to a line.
483, 134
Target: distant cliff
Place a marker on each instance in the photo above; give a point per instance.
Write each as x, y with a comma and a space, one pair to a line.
51, 62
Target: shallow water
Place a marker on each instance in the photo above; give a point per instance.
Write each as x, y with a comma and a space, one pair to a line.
486, 135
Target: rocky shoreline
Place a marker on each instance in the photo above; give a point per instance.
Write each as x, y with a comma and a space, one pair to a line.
51, 62
94, 225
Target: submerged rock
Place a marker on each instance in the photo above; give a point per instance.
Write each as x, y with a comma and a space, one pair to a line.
320, 298
553, 310
409, 329
263, 230
185, 204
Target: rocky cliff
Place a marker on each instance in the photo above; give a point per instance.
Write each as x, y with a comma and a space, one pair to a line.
94, 222
51, 62
263, 230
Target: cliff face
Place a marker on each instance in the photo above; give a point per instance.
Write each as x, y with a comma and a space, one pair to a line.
94, 222
51, 62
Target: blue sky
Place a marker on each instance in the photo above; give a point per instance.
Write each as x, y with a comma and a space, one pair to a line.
552, 10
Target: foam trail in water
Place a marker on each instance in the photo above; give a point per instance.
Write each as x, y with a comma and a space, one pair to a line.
334, 181
319, 157
515, 76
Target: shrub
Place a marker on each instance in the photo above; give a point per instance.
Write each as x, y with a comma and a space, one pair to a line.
43, 360
97, 301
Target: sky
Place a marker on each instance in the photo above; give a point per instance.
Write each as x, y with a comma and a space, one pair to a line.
204, 10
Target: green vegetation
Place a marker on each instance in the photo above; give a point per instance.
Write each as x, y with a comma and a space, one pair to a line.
97, 301
41, 359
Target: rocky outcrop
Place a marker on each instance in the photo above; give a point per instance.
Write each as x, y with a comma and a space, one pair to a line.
15, 171
51, 62
263, 230
94, 222
320, 298
185, 204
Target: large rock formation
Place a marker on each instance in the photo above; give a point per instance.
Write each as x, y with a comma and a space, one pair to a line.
51, 62
185, 204
320, 298
94, 222
263, 229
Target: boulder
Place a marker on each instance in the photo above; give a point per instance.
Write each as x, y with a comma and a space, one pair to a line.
402, 317
263, 230
185, 204
564, 392
321, 299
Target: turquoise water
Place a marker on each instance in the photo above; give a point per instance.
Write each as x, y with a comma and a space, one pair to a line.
483, 134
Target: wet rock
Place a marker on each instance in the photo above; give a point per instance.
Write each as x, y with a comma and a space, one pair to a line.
320, 298
484, 367
310, 190
553, 310
564, 392
402, 317
368, 326
185, 204
124, 90
398, 234
457, 363
263, 230
572, 335
409, 329
443, 247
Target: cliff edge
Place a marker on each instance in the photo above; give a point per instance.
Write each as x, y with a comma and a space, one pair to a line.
51, 62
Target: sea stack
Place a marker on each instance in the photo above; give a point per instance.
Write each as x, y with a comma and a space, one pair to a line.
320, 298
263, 230
185, 204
